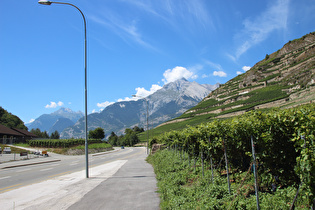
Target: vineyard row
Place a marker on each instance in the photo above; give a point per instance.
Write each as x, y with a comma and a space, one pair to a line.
284, 144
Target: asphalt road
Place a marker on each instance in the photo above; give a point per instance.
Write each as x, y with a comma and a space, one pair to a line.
16, 177
119, 180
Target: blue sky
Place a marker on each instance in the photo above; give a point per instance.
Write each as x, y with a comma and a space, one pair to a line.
134, 47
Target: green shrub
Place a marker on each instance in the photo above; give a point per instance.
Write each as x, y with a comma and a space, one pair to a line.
284, 142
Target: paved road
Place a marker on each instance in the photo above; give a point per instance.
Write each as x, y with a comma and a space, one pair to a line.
11, 178
118, 180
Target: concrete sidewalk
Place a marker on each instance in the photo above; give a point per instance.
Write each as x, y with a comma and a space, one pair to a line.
132, 187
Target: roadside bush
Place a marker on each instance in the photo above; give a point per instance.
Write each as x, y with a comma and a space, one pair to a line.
284, 144
61, 143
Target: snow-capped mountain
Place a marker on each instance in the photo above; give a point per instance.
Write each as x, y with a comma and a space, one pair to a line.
58, 120
169, 102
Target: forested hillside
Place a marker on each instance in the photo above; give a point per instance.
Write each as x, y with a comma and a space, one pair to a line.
9, 120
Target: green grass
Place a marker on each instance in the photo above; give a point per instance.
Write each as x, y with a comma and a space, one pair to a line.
22, 145
94, 146
270, 77
176, 126
13, 149
182, 186
265, 94
205, 104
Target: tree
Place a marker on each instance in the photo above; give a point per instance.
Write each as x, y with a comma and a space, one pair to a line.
98, 133
113, 139
45, 135
137, 129
55, 135
9, 120
37, 132
121, 140
131, 137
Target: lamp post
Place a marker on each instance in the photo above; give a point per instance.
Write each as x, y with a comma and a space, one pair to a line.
147, 121
85, 76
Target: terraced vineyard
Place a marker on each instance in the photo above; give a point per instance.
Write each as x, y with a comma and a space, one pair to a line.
285, 78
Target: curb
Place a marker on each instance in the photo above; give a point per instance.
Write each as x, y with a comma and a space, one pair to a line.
28, 164
104, 153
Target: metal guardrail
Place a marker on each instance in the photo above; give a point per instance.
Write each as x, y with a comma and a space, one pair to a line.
17, 156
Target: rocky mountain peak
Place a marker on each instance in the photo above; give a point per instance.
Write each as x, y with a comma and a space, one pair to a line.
168, 102
46, 122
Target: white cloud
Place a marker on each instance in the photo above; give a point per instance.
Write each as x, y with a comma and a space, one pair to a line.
246, 68
219, 73
125, 28
171, 75
214, 65
192, 13
257, 29
32, 120
104, 104
144, 93
204, 76
53, 104
195, 76
125, 99
195, 68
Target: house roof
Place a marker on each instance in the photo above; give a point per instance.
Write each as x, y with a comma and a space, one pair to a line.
8, 131
24, 132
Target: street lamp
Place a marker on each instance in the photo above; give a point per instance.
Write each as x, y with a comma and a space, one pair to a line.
147, 121
85, 74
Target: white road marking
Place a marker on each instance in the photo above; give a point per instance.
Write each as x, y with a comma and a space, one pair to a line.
46, 169
6, 177
23, 170
73, 164
57, 164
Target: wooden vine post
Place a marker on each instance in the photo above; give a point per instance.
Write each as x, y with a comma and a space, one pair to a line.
255, 172
211, 161
202, 161
227, 167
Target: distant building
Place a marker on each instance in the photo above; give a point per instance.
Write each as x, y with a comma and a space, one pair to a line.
14, 135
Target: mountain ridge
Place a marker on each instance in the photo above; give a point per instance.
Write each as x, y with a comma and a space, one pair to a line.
166, 103
46, 122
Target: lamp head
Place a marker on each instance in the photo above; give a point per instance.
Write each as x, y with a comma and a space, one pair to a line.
44, 2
